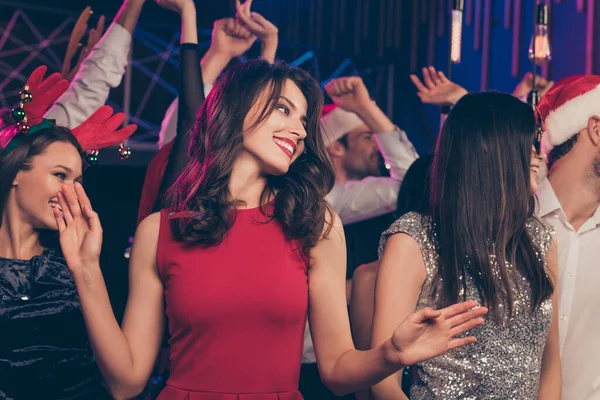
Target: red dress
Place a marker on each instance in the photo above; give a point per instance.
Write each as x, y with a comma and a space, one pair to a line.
154, 176
236, 311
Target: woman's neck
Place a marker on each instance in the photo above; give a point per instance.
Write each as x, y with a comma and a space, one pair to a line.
246, 183
18, 239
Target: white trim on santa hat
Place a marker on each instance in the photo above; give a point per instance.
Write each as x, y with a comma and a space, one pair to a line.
571, 118
337, 123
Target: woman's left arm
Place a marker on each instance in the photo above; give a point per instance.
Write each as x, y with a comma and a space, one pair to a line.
342, 368
550, 379
422, 335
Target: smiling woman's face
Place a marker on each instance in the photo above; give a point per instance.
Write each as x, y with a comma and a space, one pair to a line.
33, 194
279, 140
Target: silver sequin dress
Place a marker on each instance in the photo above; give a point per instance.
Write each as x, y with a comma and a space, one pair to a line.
505, 362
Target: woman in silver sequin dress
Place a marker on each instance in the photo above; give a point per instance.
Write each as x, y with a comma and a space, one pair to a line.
479, 241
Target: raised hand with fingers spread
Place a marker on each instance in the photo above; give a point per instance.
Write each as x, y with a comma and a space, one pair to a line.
429, 333
437, 89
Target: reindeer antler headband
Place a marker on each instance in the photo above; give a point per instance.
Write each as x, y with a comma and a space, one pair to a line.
98, 131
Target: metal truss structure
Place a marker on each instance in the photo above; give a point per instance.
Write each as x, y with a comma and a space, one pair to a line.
150, 83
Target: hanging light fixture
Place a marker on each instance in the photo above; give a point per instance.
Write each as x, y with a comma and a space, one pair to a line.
456, 30
455, 46
539, 48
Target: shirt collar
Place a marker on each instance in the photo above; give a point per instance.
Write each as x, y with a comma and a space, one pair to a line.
548, 202
596, 216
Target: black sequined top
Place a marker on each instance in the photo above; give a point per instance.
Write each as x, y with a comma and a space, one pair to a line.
44, 348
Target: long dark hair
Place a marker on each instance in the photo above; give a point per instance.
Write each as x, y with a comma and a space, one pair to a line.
415, 188
19, 158
481, 200
202, 191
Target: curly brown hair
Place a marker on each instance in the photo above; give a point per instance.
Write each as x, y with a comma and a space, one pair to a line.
202, 193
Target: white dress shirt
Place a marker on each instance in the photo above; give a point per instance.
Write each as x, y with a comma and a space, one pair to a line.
371, 197
579, 297
101, 70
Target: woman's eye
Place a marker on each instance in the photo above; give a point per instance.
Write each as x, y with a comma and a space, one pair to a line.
284, 109
61, 175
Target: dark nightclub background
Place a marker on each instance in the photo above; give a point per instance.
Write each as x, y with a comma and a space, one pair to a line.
382, 40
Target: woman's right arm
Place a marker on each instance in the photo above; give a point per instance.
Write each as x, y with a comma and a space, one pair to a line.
125, 355
399, 280
144, 320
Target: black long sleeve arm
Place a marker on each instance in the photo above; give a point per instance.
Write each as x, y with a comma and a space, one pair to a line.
191, 97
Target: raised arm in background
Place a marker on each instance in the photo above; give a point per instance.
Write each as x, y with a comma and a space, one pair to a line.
438, 90
102, 70
230, 40
359, 200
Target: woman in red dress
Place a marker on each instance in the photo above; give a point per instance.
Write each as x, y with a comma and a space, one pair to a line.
248, 251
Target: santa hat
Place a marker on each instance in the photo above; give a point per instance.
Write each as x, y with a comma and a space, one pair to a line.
336, 122
567, 107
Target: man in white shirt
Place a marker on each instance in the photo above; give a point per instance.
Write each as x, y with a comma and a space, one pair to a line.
569, 200
357, 132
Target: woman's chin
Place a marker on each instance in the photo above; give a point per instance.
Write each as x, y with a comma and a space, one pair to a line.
278, 169
534, 184
49, 225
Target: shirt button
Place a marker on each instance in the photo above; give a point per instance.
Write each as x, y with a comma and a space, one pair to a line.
25, 298
569, 275
563, 317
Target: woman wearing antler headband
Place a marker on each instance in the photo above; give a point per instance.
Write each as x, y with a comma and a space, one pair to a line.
44, 351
